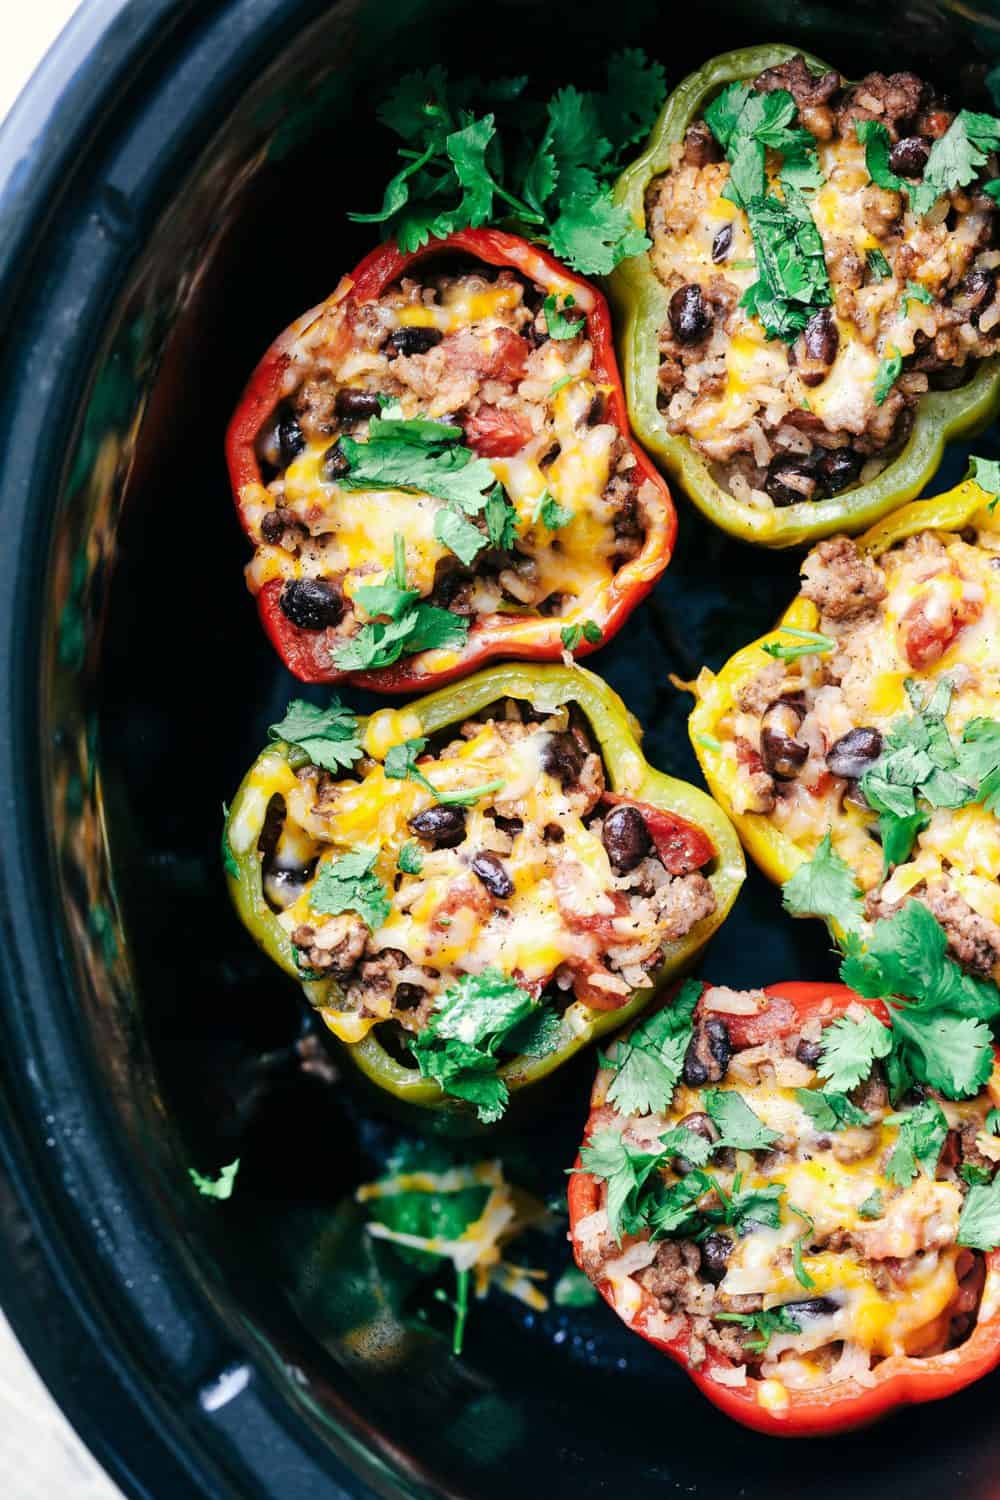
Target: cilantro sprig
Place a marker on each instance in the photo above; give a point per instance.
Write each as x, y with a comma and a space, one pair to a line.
220, 1187
647, 1064
986, 473
545, 172
763, 1325
805, 643
411, 627
329, 736
479, 1016
401, 765
349, 883
794, 282
955, 158
938, 1034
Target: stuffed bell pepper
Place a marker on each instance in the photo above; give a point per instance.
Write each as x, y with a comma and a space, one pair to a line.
818, 312
473, 887
435, 468
857, 746
813, 1239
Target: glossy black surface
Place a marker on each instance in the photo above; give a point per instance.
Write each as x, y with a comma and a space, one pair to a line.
184, 201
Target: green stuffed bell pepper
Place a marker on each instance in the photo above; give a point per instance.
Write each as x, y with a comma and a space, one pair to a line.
474, 887
817, 315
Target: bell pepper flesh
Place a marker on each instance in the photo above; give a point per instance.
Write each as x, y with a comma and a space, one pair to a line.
641, 300
899, 1380
692, 818
775, 853
528, 637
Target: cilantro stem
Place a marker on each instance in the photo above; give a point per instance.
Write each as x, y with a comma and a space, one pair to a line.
461, 1309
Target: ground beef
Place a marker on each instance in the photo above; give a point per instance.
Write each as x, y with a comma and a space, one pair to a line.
796, 78
891, 100
760, 692
974, 941
681, 902
335, 947
840, 582
700, 145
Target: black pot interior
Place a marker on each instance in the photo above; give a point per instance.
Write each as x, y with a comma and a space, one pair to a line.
160, 687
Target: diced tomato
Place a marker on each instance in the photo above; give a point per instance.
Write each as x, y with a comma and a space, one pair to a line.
501, 354
496, 432
585, 972
924, 640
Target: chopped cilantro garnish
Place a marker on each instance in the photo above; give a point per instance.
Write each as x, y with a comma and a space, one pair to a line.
708, 742
459, 1045
559, 325
350, 884
572, 635
889, 370
801, 1274
764, 1325
552, 515
954, 160
561, 383
216, 1187
453, 531
469, 796
850, 1048
421, 456
547, 173
915, 292
625, 1169
878, 265
973, 1175
829, 1110
501, 520
648, 1062
873, 1206
986, 473
825, 886
424, 628
992, 1125
807, 643
411, 859
922, 1133
329, 736
979, 1221
736, 1122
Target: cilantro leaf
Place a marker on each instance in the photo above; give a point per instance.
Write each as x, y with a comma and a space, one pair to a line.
674, 1210
685, 1143
973, 1175
572, 635
458, 535
873, 1206
424, 628
824, 886
458, 1047
993, 1122
889, 370
561, 327
625, 1169
793, 277
952, 1053
436, 630
878, 265
829, 1110
760, 1206
552, 515
385, 599
723, 113
736, 1122
329, 736
501, 520
593, 233
647, 1063
220, 1187
400, 762
764, 1325
411, 859
921, 1137
448, 472
979, 1221
632, 99
802, 1276
850, 1048
350, 884
468, 796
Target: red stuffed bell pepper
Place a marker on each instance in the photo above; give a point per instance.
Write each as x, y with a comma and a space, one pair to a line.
819, 1257
435, 468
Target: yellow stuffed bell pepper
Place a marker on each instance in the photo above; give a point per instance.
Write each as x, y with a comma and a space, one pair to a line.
871, 714
479, 884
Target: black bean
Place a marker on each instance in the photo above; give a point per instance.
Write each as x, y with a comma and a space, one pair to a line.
291, 439
708, 1053
723, 242
908, 157
312, 603
715, 1252
414, 340
690, 315
974, 293
811, 1307
335, 464
272, 527
626, 838
408, 996
549, 456
444, 827
821, 338
563, 757
855, 752
791, 479
809, 1053
781, 752
357, 406
490, 870
838, 468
